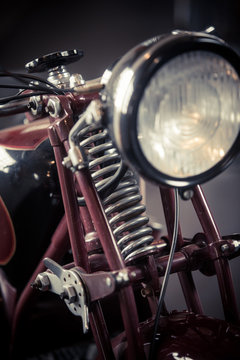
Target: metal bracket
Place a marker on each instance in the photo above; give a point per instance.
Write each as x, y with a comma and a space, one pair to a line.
68, 285
79, 289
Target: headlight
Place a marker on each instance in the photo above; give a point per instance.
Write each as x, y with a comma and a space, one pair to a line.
173, 107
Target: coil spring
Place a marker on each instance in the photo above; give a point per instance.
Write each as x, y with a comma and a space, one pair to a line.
123, 208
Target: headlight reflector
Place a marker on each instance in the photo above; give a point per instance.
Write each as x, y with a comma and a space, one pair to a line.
189, 114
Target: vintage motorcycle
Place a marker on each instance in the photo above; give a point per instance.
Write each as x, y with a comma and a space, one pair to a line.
81, 264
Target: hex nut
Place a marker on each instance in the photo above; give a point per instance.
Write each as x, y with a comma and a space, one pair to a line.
45, 282
54, 107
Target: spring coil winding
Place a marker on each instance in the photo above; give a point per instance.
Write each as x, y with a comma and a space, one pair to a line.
123, 206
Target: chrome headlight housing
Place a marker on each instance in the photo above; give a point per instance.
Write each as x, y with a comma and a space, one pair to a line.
173, 107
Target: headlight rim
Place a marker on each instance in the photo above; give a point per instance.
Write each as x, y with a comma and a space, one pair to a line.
161, 52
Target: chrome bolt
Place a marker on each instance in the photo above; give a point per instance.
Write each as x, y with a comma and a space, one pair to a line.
147, 291
36, 284
54, 107
67, 162
108, 282
122, 277
43, 281
187, 194
224, 247
35, 104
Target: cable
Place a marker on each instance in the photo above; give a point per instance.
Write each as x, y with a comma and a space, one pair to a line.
13, 110
27, 87
45, 87
166, 276
109, 186
20, 97
113, 182
22, 77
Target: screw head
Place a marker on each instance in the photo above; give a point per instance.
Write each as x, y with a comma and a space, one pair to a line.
187, 194
108, 282
146, 291
224, 247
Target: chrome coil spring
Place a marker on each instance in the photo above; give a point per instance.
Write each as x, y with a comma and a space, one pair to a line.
123, 206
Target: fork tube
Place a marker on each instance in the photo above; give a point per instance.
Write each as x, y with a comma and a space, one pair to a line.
221, 264
185, 277
115, 261
86, 219
75, 228
100, 333
78, 245
101, 224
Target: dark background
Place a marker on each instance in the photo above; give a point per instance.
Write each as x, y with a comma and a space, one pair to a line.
105, 30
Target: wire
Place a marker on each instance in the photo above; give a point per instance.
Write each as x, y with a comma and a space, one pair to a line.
20, 97
26, 87
13, 110
43, 90
166, 276
45, 87
109, 186
22, 77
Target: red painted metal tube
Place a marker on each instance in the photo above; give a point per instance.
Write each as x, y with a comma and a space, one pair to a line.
86, 219
75, 228
115, 261
101, 224
221, 264
57, 249
186, 280
77, 241
100, 333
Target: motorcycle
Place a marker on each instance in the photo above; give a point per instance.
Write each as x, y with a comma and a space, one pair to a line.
84, 272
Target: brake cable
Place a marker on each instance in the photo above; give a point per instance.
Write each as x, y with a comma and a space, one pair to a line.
166, 276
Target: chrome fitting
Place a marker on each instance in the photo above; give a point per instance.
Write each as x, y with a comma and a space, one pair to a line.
54, 107
35, 104
59, 76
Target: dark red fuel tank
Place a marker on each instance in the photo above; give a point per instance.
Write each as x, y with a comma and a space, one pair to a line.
187, 336
30, 205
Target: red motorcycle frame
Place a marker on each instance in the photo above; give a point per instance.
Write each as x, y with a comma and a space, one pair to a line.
104, 274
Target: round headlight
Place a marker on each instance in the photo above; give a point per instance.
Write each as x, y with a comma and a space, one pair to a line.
173, 108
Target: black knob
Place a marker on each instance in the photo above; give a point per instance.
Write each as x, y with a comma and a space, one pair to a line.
52, 60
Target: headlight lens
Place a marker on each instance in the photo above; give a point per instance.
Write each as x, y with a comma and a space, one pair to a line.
173, 108
189, 114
